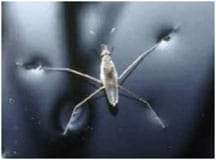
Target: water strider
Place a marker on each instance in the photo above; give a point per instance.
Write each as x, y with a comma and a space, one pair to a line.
109, 81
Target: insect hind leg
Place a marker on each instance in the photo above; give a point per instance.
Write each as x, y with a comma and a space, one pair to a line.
75, 110
142, 100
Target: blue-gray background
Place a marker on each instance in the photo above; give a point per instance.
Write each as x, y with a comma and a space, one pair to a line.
177, 78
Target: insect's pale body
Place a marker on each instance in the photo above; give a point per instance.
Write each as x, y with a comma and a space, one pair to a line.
109, 77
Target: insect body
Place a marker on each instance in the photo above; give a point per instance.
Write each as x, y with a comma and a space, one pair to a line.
109, 76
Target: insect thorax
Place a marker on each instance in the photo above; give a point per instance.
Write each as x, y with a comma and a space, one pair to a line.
108, 70
107, 64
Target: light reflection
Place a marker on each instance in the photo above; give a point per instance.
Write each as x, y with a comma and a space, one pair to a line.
38, 70
167, 42
31, 73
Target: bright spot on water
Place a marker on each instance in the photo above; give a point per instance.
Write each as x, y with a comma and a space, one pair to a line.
92, 32
11, 101
35, 74
113, 30
164, 44
19, 64
38, 70
169, 42
31, 72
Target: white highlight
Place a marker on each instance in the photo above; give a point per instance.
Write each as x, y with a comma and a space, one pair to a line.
113, 30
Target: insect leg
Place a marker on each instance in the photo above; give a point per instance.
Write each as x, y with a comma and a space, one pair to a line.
145, 102
74, 72
133, 65
78, 106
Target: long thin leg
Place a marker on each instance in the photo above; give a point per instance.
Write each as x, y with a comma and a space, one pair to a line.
73, 71
133, 65
66, 70
78, 106
145, 102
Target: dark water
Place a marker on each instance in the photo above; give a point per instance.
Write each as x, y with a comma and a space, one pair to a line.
177, 78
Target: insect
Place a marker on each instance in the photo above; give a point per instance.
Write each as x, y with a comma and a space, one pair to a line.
109, 81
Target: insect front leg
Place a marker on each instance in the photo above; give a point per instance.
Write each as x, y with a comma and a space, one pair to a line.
142, 100
75, 110
134, 64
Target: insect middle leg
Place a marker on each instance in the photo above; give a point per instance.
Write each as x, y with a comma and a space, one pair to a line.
145, 102
74, 72
78, 106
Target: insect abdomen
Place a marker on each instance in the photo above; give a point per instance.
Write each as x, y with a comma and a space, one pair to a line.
109, 77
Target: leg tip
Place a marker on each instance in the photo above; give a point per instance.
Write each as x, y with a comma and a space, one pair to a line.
65, 132
163, 126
